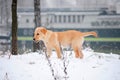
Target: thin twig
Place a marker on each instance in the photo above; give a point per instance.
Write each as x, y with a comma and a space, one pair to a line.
64, 64
6, 76
9, 56
50, 64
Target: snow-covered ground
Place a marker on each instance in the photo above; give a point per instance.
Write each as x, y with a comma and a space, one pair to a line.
34, 66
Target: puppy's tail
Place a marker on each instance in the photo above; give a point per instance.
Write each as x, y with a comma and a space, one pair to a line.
93, 33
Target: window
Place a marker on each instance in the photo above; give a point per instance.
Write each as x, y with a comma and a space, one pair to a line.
33, 20
27, 20
25, 32
59, 19
78, 18
64, 18
55, 18
73, 19
69, 18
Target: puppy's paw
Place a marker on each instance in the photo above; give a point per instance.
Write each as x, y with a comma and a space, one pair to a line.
48, 56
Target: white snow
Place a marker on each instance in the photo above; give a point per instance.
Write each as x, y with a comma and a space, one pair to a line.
34, 66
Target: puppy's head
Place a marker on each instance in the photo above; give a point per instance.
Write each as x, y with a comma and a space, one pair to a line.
39, 34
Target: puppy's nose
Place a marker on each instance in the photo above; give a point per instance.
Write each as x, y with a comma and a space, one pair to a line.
34, 39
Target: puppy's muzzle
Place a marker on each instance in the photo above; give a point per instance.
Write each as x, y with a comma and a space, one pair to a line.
33, 39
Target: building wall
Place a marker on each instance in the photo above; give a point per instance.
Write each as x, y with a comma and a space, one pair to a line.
77, 19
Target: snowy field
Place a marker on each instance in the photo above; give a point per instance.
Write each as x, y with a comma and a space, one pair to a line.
35, 66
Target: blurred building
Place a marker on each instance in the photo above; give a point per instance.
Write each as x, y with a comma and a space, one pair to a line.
65, 13
86, 15
81, 5
58, 13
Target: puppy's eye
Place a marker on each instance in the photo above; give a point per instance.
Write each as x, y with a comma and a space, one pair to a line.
37, 33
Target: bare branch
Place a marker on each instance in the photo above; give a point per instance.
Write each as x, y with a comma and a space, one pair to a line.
50, 64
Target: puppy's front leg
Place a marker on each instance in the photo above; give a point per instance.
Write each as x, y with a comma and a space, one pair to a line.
49, 52
58, 51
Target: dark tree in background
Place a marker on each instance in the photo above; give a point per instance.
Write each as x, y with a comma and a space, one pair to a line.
37, 21
37, 12
14, 27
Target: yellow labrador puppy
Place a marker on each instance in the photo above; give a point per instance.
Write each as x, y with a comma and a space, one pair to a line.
53, 40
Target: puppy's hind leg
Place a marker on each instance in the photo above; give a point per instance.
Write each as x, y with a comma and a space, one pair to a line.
81, 54
80, 47
77, 50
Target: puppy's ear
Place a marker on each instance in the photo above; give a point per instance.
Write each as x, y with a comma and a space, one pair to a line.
44, 31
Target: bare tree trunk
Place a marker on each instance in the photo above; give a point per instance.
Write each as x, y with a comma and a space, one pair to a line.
14, 27
37, 16
37, 12
7, 17
1, 12
7, 13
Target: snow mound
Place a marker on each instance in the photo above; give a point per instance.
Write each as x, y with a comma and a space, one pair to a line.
34, 66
